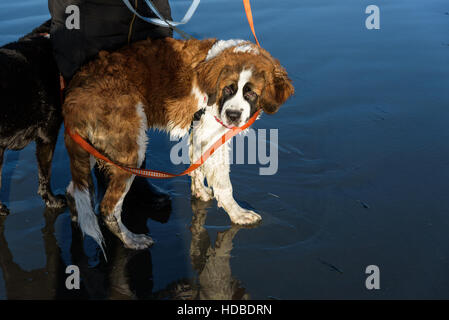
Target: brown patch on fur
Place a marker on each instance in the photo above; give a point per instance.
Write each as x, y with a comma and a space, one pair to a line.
157, 73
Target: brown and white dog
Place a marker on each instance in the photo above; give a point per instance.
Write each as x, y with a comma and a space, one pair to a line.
162, 84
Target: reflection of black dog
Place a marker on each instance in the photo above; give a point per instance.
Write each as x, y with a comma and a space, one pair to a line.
126, 275
30, 107
39, 283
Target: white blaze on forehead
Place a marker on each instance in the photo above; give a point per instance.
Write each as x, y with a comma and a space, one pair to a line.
240, 46
247, 47
220, 46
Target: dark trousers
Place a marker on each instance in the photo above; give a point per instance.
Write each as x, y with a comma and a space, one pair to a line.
104, 25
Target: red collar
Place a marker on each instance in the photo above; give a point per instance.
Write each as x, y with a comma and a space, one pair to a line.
220, 122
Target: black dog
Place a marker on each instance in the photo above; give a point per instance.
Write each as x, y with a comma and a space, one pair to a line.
30, 105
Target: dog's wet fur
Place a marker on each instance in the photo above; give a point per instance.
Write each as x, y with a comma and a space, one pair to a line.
30, 106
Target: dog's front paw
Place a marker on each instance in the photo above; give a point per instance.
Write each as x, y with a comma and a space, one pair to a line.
244, 217
3, 210
56, 202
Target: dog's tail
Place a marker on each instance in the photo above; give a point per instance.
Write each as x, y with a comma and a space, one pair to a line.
79, 189
87, 218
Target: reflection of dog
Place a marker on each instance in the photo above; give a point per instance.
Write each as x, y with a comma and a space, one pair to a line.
127, 273
162, 84
212, 263
126, 276
30, 107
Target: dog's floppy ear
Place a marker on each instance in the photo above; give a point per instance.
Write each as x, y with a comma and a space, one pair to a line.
278, 88
209, 75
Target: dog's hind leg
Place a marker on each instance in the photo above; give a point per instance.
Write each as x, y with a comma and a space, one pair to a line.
44, 155
130, 152
79, 191
3, 209
111, 209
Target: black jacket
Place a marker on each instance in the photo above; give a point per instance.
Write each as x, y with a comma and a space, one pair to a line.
104, 25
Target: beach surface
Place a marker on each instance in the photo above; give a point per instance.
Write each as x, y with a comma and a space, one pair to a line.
362, 179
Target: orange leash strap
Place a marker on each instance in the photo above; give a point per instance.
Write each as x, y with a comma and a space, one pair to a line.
147, 173
249, 16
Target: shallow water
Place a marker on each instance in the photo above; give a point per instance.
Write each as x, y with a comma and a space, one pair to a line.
362, 180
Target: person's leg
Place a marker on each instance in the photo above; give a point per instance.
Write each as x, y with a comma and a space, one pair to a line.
103, 26
142, 191
149, 196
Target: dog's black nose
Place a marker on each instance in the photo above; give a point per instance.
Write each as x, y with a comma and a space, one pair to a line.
233, 115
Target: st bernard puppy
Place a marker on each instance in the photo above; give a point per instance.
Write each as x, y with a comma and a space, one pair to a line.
163, 84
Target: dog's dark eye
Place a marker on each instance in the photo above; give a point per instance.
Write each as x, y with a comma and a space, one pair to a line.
250, 95
228, 90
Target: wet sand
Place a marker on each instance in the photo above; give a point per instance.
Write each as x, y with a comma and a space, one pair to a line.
362, 180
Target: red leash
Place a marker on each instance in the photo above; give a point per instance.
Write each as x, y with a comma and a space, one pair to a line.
156, 174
